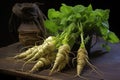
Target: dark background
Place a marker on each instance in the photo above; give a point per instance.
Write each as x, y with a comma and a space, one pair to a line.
6, 10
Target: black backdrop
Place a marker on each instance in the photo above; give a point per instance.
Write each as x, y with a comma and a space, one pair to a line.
6, 10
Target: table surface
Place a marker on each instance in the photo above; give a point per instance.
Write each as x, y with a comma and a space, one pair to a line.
108, 63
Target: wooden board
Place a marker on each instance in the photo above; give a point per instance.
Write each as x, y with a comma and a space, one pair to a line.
108, 63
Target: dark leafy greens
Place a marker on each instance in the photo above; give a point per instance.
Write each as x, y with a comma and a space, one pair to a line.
94, 22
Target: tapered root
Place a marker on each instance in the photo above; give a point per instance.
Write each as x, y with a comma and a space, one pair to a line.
25, 53
82, 60
41, 63
62, 58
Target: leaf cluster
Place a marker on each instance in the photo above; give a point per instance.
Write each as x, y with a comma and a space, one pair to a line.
94, 22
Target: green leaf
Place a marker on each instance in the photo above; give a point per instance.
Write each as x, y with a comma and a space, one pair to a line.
66, 9
54, 14
112, 37
78, 16
89, 8
72, 18
63, 21
103, 30
105, 24
51, 26
78, 8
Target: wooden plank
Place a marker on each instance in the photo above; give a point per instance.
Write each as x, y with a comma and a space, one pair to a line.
24, 74
108, 63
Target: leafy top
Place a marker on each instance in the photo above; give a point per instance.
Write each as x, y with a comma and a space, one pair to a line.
93, 21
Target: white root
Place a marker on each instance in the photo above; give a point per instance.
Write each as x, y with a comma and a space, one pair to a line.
62, 58
30, 55
41, 63
31, 51
43, 50
25, 53
82, 60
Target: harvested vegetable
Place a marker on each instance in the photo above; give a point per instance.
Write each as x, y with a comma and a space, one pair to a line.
67, 27
43, 62
62, 58
24, 54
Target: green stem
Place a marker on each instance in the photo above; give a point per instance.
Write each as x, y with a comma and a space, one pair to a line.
81, 35
67, 36
82, 41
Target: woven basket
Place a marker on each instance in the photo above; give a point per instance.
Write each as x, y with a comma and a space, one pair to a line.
29, 34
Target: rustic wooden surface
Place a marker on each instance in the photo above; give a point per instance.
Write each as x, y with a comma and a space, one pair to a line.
108, 63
